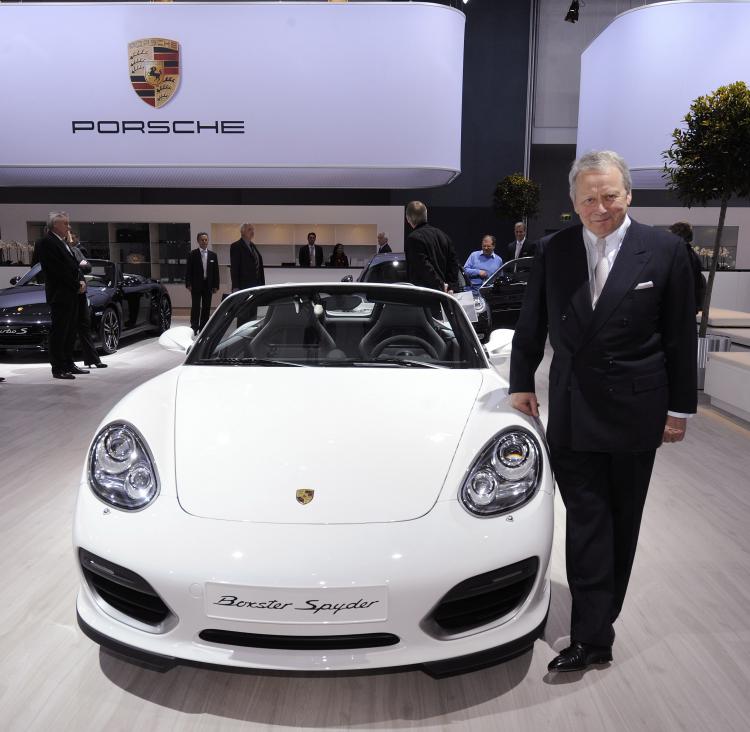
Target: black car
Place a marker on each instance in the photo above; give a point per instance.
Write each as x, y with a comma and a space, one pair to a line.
120, 304
504, 291
391, 269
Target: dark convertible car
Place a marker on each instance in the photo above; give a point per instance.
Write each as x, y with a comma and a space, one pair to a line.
504, 291
120, 304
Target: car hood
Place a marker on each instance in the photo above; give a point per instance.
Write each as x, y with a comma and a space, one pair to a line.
374, 444
11, 297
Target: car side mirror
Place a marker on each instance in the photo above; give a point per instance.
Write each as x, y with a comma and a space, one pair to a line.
14, 280
178, 339
499, 345
348, 278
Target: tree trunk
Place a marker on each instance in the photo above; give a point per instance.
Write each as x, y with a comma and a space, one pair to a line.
712, 271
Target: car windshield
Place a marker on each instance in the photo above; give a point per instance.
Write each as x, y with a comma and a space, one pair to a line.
102, 275
339, 326
515, 269
393, 271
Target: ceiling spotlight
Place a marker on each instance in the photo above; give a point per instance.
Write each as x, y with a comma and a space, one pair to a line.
572, 15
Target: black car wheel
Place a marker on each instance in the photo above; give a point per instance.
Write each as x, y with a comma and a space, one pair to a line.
109, 330
165, 314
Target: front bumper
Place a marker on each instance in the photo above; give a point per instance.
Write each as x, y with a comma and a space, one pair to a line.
418, 561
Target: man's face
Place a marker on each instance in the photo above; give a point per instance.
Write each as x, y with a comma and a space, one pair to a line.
311, 239
61, 227
248, 233
520, 230
601, 200
487, 246
203, 241
381, 239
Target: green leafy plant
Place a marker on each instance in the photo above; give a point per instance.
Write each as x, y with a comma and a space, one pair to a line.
709, 160
516, 197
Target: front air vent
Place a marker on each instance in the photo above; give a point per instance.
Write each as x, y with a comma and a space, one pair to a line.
485, 598
124, 590
300, 642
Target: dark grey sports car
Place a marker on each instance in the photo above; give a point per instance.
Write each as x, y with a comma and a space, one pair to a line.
504, 291
120, 304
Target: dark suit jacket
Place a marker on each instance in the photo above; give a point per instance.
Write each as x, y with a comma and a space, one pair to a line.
304, 256
430, 258
62, 277
385, 249
194, 270
616, 370
246, 270
508, 252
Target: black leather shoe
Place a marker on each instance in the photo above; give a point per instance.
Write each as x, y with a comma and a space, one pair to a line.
75, 370
62, 375
579, 656
98, 365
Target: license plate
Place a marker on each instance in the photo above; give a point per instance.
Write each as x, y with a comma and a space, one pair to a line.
326, 605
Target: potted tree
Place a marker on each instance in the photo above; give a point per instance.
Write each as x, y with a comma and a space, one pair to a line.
709, 160
516, 197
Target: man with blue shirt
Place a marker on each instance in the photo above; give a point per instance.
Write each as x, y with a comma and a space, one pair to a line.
482, 264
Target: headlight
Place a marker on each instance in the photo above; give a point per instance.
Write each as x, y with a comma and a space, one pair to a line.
505, 475
480, 304
121, 471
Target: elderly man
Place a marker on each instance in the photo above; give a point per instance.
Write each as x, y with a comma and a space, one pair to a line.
430, 256
382, 247
612, 293
246, 264
63, 283
482, 264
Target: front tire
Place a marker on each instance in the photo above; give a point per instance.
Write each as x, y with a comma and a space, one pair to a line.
109, 331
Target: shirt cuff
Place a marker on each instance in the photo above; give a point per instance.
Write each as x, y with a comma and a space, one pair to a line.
679, 414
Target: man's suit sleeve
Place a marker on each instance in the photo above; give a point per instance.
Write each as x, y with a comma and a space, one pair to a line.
452, 266
531, 330
678, 332
234, 265
261, 271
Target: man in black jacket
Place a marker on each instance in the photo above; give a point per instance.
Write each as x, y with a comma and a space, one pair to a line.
520, 247
430, 256
246, 264
312, 254
202, 279
613, 296
63, 283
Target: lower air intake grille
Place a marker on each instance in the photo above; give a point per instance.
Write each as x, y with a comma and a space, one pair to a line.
124, 590
300, 642
486, 597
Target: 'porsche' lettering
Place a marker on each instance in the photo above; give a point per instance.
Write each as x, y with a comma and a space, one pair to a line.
157, 127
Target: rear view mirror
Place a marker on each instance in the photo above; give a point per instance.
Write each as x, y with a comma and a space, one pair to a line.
177, 339
14, 280
499, 345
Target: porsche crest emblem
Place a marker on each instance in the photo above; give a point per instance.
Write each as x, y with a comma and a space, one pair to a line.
154, 65
304, 496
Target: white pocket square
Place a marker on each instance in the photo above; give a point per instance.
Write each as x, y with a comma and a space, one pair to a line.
644, 285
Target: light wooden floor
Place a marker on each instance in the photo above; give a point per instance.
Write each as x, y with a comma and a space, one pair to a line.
682, 656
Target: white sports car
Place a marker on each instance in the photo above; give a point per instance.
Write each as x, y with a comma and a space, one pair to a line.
333, 480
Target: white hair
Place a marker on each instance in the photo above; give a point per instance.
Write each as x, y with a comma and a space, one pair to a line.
53, 216
598, 160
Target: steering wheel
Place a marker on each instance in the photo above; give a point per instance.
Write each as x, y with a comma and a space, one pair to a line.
403, 340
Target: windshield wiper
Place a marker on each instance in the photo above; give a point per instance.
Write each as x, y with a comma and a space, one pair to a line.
246, 361
407, 362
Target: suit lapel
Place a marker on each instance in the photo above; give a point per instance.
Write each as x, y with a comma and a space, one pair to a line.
630, 261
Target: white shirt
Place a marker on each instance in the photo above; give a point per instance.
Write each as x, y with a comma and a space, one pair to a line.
204, 260
519, 246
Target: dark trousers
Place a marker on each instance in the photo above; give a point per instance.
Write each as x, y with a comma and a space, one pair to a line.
88, 349
62, 333
200, 308
604, 495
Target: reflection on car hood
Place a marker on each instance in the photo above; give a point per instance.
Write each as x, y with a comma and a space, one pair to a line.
12, 297
375, 444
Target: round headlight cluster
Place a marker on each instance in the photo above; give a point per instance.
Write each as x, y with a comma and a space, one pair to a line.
121, 471
480, 304
504, 476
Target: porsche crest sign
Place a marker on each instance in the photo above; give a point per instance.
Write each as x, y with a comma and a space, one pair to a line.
154, 65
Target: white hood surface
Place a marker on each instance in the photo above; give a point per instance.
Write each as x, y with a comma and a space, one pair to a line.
374, 444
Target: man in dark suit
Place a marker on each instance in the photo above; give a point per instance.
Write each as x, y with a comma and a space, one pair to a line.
312, 254
520, 246
63, 283
430, 256
246, 264
202, 279
383, 247
613, 295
